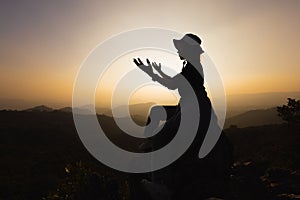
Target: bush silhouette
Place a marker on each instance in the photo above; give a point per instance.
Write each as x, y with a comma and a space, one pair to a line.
291, 111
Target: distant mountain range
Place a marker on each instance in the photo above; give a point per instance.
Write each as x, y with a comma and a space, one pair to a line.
41, 108
254, 118
243, 109
240, 103
139, 113
236, 103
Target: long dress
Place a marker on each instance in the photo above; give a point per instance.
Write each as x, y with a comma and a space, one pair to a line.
189, 168
195, 79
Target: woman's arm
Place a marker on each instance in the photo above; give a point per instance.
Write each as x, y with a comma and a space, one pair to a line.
166, 81
157, 67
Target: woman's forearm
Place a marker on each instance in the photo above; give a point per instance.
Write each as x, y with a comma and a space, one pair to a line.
163, 75
165, 81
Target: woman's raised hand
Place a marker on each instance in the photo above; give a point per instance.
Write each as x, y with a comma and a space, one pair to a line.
156, 66
146, 68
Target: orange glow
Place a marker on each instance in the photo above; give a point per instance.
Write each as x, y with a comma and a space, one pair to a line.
255, 46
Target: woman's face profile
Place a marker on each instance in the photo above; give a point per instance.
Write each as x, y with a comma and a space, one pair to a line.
184, 52
189, 52
180, 55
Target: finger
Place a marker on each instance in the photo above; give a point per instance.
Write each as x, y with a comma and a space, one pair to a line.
136, 62
148, 61
153, 64
141, 63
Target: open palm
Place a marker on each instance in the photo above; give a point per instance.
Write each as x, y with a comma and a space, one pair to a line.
146, 68
156, 66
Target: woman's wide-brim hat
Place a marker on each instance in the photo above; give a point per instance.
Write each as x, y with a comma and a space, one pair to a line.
187, 40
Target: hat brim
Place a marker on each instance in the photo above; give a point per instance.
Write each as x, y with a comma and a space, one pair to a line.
180, 44
177, 44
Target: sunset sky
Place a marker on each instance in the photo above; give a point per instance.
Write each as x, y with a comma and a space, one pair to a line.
254, 44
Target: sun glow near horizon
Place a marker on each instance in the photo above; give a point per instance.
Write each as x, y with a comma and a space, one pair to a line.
254, 44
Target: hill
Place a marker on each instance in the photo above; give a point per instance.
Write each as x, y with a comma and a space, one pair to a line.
37, 149
240, 103
41, 108
254, 118
277, 144
267, 160
236, 103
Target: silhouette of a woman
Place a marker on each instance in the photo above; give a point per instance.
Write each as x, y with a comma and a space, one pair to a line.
188, 168
189, 51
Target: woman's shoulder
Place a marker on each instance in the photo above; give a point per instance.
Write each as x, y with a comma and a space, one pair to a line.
190, 70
